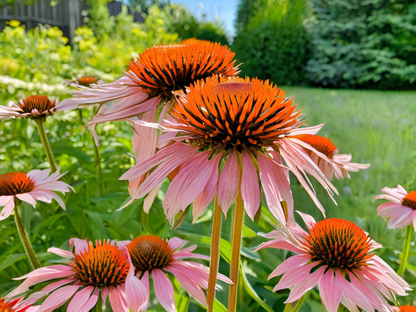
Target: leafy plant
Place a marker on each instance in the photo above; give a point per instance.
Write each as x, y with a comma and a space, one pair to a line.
363, 44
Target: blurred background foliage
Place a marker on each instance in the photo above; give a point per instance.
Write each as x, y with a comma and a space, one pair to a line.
329, 43
342, 44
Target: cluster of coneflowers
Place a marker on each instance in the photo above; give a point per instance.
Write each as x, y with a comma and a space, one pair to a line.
219, 138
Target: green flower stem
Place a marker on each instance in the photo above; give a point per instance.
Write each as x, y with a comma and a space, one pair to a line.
299, 303
99, 305
236, 238
40, 122
215, 254
98, 164
24, 238
405, 253
288, 307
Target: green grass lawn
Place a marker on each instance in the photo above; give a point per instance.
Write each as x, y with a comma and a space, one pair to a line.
375, 127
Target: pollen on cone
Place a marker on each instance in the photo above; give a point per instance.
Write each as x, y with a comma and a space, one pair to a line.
13, 183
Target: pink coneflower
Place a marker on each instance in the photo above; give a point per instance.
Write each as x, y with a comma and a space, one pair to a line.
34, 106
151, 78
16, 305
232, 120
153, 257
93, 271
339, 257
401, 209
327, 158
36, 185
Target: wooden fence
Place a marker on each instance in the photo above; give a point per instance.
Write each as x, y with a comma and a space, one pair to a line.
66, 14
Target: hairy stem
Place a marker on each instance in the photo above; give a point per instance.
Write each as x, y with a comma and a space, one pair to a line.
40, 123
98, 164
215, 254
405, 253
24, 238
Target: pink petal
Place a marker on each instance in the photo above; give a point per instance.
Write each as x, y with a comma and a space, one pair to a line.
280, 244
191, 287
204, 198
61, 253
276, 188
145, 281
290, 264
176, 243
136, 292
164, 290
81, 245
58, 298
228, 183
309, 220
188, 184
8, 208
91, 302
80, 299
352, 293
330, 295
250, 189
294, 276
166, 154
118, 300
311, 281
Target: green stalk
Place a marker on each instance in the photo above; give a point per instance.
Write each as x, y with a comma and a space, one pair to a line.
98, 306
98, 164
40, 123
236, 238
24, 238
288, 307
299, 303
405, 253
215, 254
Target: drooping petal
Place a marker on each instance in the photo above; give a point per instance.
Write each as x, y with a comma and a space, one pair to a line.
136, 292
250, 189
58, 298
228, 183
204, 198
164, 290
301, 288
61, 252
294, 276
118, 299
8, 207
191, 287
330, 294
276, 188
80, 299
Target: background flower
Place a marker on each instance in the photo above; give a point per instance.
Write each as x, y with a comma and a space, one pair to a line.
330, 251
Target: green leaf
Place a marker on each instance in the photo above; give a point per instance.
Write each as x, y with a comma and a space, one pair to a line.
80, 155
247, 232
250, 290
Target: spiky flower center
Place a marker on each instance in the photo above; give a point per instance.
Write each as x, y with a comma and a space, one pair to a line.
166, 68
101, 265
13, 183
338, 243
150, 252
407, 308
410, 200
7, 306
86, 81
224, 114
41, 103
321, 144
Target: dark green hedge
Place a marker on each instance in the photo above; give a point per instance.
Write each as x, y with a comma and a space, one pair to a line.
363, 44
271, 41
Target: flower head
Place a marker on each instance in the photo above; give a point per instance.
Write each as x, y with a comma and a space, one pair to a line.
34, 186
86, 81
340, 258
152, 256
401, 208
152, 77
326, 157
94, 269
34, 106
245, 123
